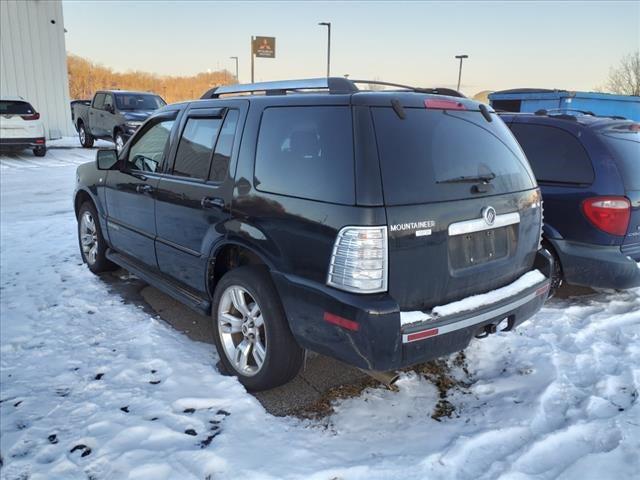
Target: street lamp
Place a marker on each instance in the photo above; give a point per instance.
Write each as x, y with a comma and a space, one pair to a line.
236, 59
328, 25
461, 57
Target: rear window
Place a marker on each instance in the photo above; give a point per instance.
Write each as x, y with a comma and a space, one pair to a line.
555, 155
15, 107
306, 152
419, 154
625, 148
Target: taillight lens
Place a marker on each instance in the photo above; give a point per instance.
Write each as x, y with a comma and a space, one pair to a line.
33, 116
359, 262
609, 214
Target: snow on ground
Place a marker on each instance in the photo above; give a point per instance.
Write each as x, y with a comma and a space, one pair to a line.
91, 387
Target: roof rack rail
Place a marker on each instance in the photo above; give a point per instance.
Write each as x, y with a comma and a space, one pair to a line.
335, 85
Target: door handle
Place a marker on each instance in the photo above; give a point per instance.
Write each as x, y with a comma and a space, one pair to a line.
212, 202
144, 188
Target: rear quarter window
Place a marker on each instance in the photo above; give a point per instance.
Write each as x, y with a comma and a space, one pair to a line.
556, 156
419, 153
306, 152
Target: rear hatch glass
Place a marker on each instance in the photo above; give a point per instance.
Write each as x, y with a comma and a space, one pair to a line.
447, 240
421, 155
15, 107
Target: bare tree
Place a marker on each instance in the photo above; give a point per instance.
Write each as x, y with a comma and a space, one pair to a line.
625, 78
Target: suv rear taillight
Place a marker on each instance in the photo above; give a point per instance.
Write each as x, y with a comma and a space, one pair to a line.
609, 214
359, 262
33, 116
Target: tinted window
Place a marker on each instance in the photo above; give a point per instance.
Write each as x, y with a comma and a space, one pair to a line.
306, 152
195, 148
138, 101
15, 107
98, 101
625, 148
555, 155
422, 155
224, 145
147, 151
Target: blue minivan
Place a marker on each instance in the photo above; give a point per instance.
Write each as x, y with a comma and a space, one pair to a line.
588, 169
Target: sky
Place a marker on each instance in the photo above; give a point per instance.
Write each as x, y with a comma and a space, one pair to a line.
569, 45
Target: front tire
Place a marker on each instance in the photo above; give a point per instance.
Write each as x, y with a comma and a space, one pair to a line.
93, 246
40, 151
118, 139
86, 140
251, 331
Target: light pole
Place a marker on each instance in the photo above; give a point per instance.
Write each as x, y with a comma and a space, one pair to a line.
461, 57
236, 59
328, 25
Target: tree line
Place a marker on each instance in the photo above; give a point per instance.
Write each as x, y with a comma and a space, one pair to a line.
85, 77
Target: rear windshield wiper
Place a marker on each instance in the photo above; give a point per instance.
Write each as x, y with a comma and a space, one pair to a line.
470, 179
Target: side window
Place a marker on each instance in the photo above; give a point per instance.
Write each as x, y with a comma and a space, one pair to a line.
196, 146
108, 101
98, 102
147, 152
555, 155
224, 145
306, 152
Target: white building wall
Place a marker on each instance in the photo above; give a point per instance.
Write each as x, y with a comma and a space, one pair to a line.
33, 60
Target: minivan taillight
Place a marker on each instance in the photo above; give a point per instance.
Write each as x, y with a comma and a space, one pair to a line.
359, 262
33, 116
609, 214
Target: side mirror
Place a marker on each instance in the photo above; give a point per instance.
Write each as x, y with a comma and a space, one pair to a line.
110, 109
106, 158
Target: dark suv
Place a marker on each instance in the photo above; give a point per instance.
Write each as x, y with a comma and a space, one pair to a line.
588, 168
381, 228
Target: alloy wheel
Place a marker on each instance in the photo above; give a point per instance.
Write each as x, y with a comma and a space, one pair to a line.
89, 237
241, 329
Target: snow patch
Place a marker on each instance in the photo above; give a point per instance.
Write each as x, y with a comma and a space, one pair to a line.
473, 302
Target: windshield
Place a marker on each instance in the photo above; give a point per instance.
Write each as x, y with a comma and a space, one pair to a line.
435, 155
15, 107
625, 147
138, 101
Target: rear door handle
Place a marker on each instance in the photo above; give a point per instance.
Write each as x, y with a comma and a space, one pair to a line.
144, 188
212, 202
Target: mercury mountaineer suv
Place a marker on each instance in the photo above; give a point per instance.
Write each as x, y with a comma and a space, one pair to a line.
380, 228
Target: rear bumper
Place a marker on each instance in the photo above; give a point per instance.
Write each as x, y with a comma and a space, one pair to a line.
366, 330
16, 143
597, 266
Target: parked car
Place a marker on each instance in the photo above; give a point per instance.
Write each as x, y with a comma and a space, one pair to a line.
113, 115
21, 127
381, 228
588, 168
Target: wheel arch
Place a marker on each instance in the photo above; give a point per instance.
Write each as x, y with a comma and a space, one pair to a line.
229, 255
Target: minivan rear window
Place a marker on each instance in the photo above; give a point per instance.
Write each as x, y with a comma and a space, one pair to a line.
15, 107
307, 152
421, 155
625, 148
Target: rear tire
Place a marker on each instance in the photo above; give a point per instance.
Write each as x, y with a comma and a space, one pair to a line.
40, 151
86, 140
557, 277
251, 331
93, 246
